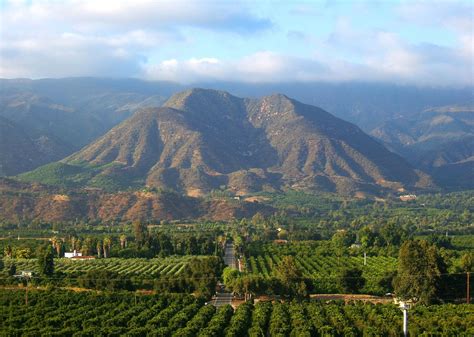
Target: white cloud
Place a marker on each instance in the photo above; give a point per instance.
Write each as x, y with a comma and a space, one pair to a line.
380, 56
47, 38
264, 66
51, 38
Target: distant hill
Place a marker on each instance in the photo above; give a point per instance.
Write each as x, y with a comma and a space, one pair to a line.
64, 112
438, 140
21, 202
21, 151
203, 140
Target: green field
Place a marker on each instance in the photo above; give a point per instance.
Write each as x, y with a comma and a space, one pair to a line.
323, 266
127, 267
61, 313
323, 269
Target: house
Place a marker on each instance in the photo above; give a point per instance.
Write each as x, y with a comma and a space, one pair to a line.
70, 255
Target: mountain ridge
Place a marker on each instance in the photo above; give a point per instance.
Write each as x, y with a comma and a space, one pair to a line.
202, 140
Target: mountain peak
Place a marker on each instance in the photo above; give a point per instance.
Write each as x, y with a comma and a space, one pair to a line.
193, 96
202, 140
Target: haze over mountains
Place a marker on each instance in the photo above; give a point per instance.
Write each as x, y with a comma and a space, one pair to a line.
54, 118
440, 141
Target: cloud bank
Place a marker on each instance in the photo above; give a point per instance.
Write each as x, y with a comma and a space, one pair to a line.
192, 41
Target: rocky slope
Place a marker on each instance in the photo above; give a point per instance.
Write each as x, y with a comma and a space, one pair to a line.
202, 140
20, 202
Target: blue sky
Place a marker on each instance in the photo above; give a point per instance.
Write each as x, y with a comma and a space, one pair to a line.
413, 42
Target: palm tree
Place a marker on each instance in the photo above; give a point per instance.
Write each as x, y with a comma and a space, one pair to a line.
99, 249
87, 246
54, 241
73, 243
8, 251
57, 245
123, 241
107, 244
59, 248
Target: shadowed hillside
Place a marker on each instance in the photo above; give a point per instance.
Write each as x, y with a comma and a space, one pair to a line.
202, 140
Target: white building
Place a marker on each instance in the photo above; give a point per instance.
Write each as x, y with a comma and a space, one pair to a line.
70, 255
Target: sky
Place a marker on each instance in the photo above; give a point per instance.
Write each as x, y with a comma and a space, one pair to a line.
425, 43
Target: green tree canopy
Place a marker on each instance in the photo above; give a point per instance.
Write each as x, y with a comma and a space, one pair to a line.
291, 277
351, 280
46, 260
419, 270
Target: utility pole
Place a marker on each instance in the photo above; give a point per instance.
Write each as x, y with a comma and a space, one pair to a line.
365, 258
25, 276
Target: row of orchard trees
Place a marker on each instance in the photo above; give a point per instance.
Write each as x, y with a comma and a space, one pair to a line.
422, 275
89, 314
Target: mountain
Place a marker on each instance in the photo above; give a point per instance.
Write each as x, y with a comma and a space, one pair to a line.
438, 140
21, 152
366, 104
76, 111
202, 140
71, 116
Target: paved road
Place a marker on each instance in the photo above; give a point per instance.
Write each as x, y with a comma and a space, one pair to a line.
229, 257
222, 299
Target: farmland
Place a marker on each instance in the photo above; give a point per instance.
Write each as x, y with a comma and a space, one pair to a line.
89, 314
323, 266
127, 267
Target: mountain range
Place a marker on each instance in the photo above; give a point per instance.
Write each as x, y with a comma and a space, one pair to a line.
438, 140
202, 140
42, 121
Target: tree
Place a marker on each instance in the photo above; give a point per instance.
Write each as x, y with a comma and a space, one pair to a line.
8, 251
87, 246
229, 275
366, 237
141, 232
258, 219
12, 270
419, 270
46, 260
107, 243
73, 243
290, 277
386, 281
351, 280
341, 240
283, 234
99, 249
57, 246
467, 262
164, 243
123, 241
23, 253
